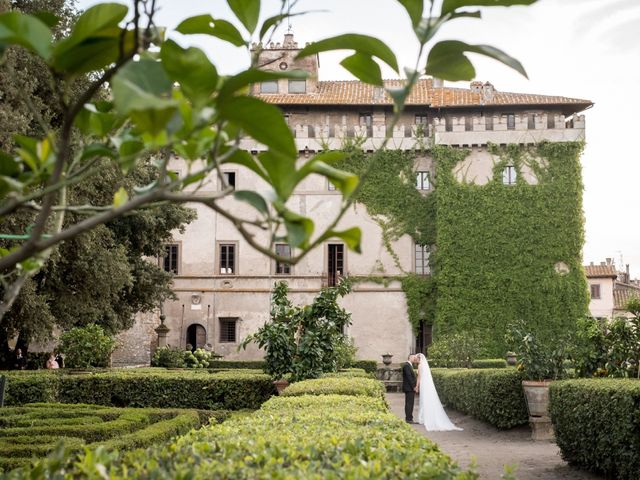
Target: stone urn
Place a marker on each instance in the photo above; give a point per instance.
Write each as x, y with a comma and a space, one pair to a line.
280, 385
511, 359
536, 394
386, 359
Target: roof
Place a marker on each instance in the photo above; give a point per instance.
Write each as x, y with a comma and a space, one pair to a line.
354, 92
597, 271
622, 293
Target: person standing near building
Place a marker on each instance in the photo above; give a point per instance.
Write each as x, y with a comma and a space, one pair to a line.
409, 387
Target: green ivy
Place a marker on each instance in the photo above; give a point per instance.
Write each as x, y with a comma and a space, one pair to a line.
497, 245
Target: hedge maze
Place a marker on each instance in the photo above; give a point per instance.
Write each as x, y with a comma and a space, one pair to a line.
35, 430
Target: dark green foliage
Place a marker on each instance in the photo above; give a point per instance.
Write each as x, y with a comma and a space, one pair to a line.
491, 395
597, 424
310, 436
242, 364
87, 346
35, 430
497, 246
336, 385
489, 363
455, 350
537, 361
175, 357
369, 366
301, 341
164, 389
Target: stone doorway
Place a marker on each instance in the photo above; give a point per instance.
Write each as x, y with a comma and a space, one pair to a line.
196, 336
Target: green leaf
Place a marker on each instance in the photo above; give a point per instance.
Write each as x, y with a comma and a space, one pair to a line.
281, 172
9, 166
48, 18
352, 237
299, 228
97, 150
252, 198
27, 31
272, 21
261, 121
364, 68
120, 197
449, 6
142, 89
247, 12
103, 16
207, 25
447, 60
191, 68
414, 9
351, 41
344, 181
244, 158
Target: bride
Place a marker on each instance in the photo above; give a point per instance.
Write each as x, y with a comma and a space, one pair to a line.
430, 413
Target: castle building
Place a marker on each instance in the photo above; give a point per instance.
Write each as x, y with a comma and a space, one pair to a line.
223, 286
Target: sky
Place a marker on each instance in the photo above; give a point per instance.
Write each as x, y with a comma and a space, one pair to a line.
587, 49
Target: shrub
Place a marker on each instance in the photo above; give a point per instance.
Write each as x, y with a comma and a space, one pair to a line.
168, 357
325, 436
345, 352
230, 364
369, 366
536, 360
37, 360
489, 363
349, 372
492, 395
454, 350
37, 428
338, 386
597, 424
87, 346
232, 390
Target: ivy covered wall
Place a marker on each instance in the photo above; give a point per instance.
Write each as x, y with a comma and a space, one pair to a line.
498, 245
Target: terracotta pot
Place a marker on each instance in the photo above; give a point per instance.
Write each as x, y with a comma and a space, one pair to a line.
280, 385
537, 396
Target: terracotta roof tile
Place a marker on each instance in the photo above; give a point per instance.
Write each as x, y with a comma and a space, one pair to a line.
622, 294
595, 271
354, 92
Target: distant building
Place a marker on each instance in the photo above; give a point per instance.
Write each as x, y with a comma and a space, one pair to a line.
610, 289
224, 286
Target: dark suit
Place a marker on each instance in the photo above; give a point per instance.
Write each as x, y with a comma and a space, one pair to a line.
408, 387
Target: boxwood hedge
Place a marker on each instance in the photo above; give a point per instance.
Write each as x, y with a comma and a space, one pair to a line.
356, 386
492, 395
308, 436
143, 388
34, 430
597, 424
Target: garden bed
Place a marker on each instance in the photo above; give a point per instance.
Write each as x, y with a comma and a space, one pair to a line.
36, 429
597, 424
159, 388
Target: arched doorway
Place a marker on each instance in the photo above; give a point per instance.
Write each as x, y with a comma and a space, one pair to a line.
196, 336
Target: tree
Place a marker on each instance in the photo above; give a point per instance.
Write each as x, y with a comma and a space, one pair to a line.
175, 100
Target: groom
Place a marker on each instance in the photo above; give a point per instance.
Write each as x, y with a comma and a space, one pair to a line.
409, 387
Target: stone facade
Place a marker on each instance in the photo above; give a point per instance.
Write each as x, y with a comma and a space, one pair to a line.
220, 300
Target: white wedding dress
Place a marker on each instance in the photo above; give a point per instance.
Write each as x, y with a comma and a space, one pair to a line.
431, 414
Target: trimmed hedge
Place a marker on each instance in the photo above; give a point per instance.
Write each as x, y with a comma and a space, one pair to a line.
492, 395
369, 366
308, 436
36, 429
597, 424
355, 386
232, 390
489, 363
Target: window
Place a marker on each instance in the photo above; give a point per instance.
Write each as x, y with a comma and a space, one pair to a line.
169, 260
366, 119
227, 259
421, 119
468, 123
422, 180
595, 291
297, 86
509, 175
488, 123
511, 121
551, 120
336, 263
422, 259
270, 86
228, 330
283, 250
531, 121
230, 178
448, 124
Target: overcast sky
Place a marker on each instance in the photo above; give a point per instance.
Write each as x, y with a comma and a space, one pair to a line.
586, 49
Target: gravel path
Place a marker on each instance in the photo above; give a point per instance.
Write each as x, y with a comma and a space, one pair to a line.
495, 448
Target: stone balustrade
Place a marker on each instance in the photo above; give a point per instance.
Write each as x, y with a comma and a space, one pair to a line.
470, 130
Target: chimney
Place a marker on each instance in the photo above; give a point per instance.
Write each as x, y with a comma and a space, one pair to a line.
609, 261
475, 86
487, 92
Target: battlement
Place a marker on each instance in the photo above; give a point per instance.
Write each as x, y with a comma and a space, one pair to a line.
470, 130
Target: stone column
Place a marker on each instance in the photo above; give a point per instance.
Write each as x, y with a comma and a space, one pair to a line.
162, 330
